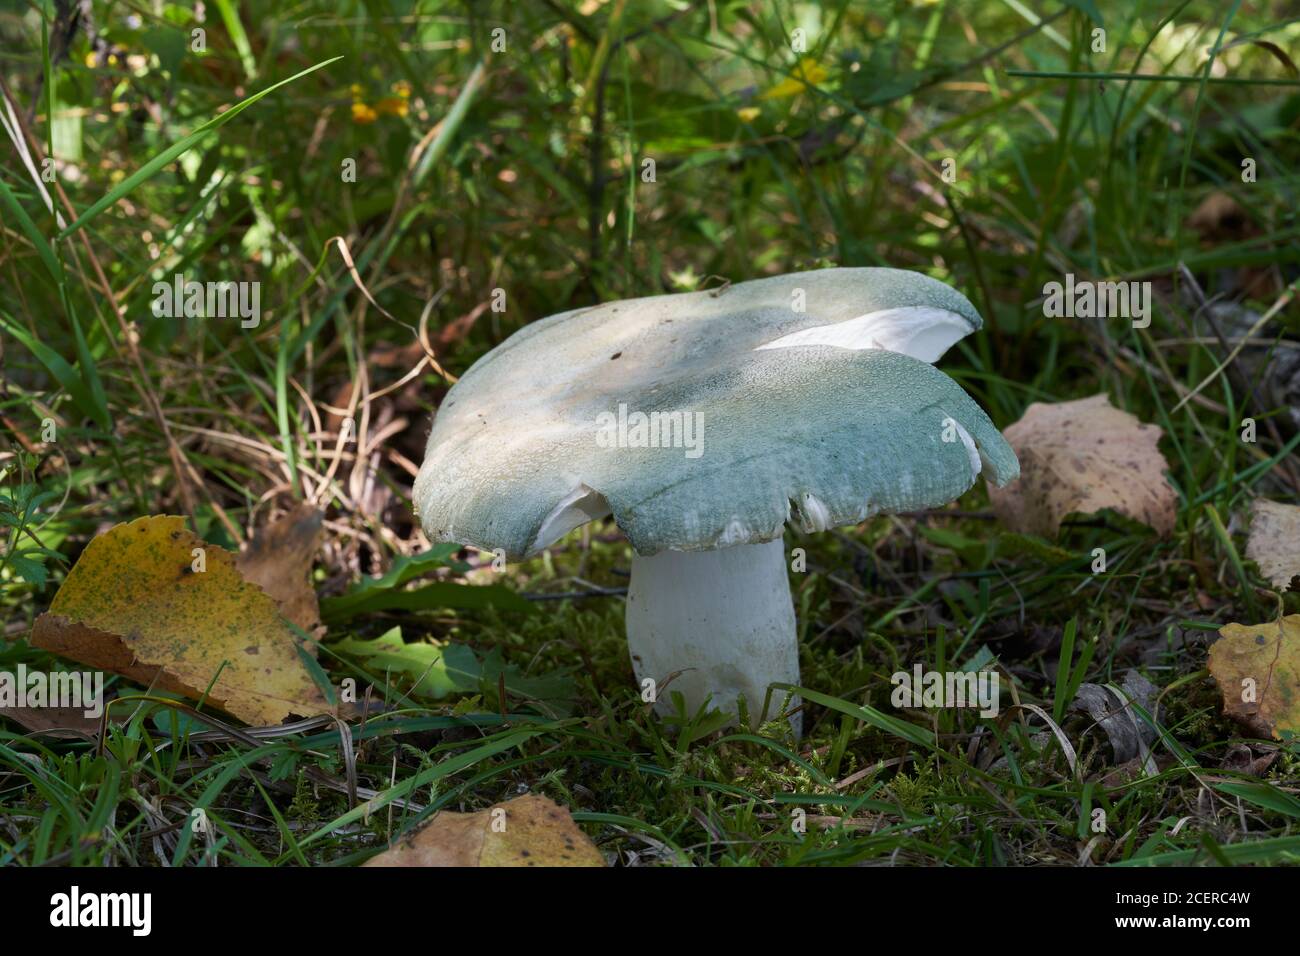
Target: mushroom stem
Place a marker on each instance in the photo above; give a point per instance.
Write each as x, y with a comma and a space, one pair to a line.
723, 618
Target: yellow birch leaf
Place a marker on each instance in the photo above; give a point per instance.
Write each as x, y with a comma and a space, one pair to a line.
152, 601
1257, 668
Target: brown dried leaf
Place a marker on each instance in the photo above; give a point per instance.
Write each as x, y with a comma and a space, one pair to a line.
1274, 541
1078, 458
135, 604
1220, 218
279, 559
1240, 758
526, 831
55, 722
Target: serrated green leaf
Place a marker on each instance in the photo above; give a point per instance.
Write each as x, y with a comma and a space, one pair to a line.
33, 572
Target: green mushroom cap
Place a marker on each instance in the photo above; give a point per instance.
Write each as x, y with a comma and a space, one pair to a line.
709, 419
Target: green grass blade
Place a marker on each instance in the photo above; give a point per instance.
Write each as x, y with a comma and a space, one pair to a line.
179, 148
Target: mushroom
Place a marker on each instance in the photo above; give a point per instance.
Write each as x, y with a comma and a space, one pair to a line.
703, 422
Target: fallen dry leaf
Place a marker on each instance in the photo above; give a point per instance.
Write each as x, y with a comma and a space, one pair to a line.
55, 722
135, 604
279, 559
1257, 668
1131, 737
1219, 219
526, 831
1274, 541
1240, 758
1078, 458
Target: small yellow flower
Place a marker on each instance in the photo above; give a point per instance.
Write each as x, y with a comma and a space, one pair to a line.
357, 92
403, 89
748, 114
808, 72
392, 106
361, 113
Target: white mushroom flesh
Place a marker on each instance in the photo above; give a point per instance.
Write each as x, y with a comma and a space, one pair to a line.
721, 621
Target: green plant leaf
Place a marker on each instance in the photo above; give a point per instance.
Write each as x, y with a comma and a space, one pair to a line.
1087, 8
422, 662
33, 572
437, 670
554, 691
404, 569
438, 594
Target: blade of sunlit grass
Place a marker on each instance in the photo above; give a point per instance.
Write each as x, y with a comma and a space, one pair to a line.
179, 148
1149, 78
